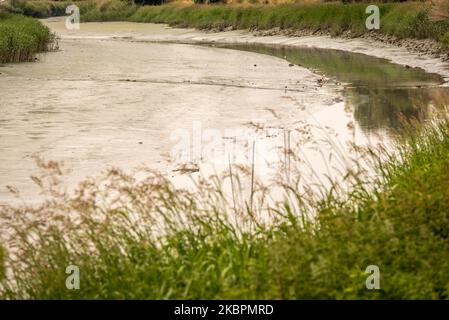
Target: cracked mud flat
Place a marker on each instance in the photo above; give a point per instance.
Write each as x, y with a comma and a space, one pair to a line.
108, 98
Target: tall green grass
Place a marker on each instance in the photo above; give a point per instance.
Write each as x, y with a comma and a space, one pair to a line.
39, 8
403, 20
114, 10
22, 37
2, 263
148, 240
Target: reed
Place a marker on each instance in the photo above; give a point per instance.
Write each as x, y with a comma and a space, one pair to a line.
22, 37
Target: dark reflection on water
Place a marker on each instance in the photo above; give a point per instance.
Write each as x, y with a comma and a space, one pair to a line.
381, 93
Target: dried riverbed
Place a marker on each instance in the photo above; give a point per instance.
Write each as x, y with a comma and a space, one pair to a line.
125, 94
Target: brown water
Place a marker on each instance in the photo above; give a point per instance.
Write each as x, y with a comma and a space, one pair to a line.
106, 100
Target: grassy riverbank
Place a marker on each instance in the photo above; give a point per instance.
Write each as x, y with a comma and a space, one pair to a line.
402, 20
22, 37
401, 225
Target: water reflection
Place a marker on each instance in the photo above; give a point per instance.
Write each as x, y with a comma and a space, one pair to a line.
385, 108
380, 93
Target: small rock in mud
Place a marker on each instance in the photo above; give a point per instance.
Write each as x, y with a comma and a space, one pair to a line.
350, 125
338, 99
321, 81
187, 168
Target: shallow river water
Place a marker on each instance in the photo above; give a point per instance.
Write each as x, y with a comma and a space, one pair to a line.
109, 98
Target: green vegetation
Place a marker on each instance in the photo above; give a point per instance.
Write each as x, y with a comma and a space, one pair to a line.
155, 242
2, 263
22, 37
403, 20
410, 20
445, 40
39, 9
107, 10
333, 17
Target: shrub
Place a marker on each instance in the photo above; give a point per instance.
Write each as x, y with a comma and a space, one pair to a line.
40, 9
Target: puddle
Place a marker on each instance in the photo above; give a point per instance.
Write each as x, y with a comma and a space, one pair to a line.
380, 93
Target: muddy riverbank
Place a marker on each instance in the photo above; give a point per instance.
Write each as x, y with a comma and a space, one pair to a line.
411, 52
125, 94
427, 47
99, 103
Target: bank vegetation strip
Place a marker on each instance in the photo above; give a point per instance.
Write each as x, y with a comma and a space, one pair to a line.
419, 20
